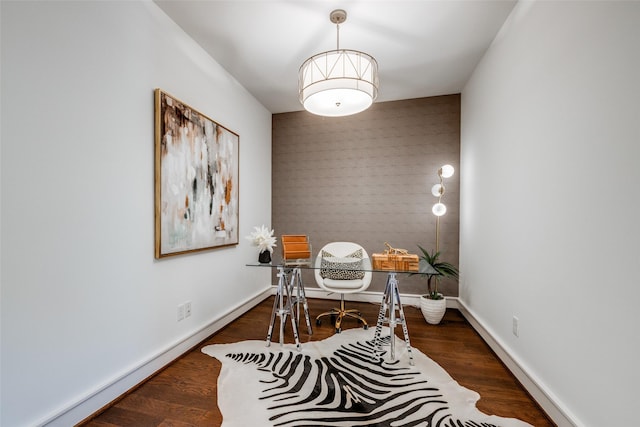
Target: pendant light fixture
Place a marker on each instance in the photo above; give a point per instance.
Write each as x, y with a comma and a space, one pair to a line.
338, 82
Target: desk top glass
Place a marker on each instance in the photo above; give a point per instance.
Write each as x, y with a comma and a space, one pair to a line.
355, 264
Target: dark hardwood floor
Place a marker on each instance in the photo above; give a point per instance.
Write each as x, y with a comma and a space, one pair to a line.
185, 393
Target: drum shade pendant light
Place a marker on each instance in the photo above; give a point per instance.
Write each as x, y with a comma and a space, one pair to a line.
338, 82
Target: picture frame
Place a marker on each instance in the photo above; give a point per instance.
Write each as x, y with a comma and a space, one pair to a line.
196, 180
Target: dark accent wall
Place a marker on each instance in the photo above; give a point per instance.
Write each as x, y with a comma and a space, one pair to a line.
367, 178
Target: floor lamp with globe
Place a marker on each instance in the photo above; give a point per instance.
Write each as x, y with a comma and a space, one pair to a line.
433, 305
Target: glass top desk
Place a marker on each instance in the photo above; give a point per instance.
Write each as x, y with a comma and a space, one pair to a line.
290, 294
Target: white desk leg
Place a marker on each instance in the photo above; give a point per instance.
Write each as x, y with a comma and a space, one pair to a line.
294, 324
381, 317
282, 308
390, 298
277, 304
403, 322
301, 296
393, 285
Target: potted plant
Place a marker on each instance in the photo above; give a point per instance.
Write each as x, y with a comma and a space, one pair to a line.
432, 304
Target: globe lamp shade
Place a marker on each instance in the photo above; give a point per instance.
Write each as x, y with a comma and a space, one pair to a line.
439, 209
447, 171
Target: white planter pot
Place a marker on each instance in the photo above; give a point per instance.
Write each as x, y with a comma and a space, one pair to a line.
433, 309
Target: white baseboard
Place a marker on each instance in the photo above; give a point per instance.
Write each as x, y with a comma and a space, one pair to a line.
547, 400
89, 404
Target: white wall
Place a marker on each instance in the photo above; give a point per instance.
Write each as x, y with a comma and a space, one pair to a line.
84, 303
550, 204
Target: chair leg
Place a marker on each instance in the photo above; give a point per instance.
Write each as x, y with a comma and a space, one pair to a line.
354, 315
333, 312
340, 313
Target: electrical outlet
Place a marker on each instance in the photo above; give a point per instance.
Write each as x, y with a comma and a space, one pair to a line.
516, 326
180, 312
187, 309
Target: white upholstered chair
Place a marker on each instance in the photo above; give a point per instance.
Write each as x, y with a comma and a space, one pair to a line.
346, 277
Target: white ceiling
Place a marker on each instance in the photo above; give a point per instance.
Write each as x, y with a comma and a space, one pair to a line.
423, 47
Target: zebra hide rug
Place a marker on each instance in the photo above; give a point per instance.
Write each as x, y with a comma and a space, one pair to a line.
341, 382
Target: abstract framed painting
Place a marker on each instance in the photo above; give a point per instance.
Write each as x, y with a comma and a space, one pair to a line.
196, 180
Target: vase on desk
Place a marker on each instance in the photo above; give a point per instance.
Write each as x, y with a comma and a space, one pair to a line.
264, 257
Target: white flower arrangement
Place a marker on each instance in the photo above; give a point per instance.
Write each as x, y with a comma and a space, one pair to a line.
262, 238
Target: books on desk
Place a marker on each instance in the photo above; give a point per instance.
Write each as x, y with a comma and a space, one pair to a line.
395, 262
296, 249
